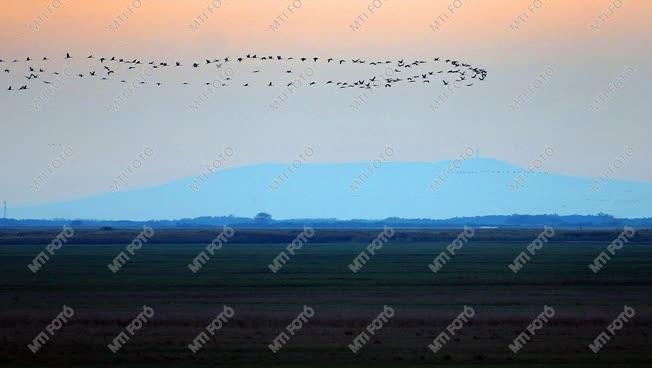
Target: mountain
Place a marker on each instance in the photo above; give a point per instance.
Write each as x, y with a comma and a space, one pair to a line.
477, 187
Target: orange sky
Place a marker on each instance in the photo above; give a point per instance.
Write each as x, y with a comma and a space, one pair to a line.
317, 26
557, 34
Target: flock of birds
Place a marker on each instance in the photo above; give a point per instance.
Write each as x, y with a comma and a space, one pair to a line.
394, 72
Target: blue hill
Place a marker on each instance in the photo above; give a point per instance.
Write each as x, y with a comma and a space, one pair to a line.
479, 187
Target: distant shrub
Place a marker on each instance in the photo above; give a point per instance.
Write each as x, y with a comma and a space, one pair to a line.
263, 218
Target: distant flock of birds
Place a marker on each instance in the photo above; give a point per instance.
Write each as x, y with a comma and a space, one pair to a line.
400, 71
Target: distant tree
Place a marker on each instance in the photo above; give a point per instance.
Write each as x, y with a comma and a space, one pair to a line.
262, 218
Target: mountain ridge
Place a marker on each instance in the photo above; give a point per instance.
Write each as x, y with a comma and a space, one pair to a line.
438, 190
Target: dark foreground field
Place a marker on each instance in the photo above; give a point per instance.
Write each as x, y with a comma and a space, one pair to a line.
318, 276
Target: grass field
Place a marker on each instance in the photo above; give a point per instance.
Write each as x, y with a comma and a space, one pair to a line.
344, 303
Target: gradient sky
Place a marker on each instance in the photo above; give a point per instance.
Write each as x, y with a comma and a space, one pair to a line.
559, 115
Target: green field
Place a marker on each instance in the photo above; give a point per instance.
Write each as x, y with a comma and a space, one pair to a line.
344, 303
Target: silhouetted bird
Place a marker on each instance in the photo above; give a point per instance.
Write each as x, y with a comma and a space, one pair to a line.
68, 55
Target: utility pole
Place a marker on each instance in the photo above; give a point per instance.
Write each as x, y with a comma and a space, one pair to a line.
4, 216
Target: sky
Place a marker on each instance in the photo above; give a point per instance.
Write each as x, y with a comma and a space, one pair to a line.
579, 69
